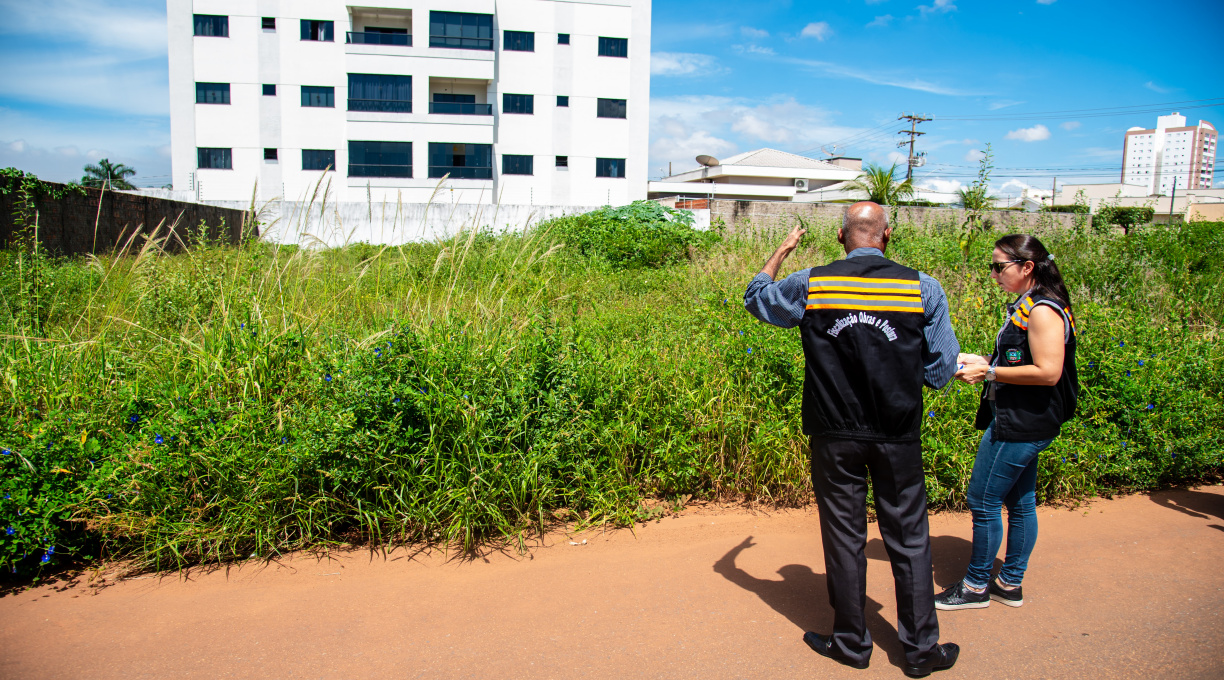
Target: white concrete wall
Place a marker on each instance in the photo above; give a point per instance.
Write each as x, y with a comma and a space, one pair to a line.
251, 57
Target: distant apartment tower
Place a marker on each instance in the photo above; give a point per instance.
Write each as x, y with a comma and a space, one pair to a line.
1172, 151
517, 101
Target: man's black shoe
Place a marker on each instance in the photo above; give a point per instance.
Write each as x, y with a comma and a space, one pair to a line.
820, 644
943, 657
960, 597
1011, 598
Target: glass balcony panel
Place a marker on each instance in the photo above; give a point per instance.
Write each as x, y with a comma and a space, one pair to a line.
461, 108
379, 38
460, 172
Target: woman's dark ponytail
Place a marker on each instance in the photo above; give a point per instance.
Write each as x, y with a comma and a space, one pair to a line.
1048, 279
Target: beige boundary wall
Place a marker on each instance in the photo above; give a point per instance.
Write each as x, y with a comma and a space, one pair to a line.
769, 215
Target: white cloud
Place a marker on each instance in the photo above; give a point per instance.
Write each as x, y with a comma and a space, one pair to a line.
1070, 125
18, 146
874, 78
974, 155
50, 147
1002, 104
753, 33
880, 22
109, 83
1155, 88
754, 49
819, 30
1015, 188
1036, 133
682, 64
897, 157
123, 27
1046, 2
940, 186
938, 7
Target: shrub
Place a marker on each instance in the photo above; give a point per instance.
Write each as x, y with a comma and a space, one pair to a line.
1127, 217
641, 234
1075, 208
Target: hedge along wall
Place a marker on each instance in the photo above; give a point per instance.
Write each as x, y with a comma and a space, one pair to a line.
738, 215
92, 220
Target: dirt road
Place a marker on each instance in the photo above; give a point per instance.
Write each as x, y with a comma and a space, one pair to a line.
1125, 588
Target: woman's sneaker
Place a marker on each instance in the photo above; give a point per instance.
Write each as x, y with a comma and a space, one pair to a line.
960, 596
1011, 598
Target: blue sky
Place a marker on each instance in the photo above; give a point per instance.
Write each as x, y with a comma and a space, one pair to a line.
87, 79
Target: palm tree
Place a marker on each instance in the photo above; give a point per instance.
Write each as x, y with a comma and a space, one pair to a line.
107, 174
881, 185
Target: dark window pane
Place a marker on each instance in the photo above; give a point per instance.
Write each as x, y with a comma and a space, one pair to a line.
609, 167
371, 92
518, 41
318, 96
610, 108
211, 25
563, 38
318, 159
374, 35
380, 159
212, 93
614, 47
269, 23
518, 103
269, 90
461, 161
454, 98
517, 165
461, 30
269, 154
563, 100
317, 30
213, 159
562, 161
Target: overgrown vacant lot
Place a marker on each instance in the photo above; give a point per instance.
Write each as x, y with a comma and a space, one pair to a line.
226, 401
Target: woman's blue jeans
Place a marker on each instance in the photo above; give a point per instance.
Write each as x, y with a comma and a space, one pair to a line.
1005, 473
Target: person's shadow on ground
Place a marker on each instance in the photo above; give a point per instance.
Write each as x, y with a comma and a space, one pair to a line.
802, 597
1194, 503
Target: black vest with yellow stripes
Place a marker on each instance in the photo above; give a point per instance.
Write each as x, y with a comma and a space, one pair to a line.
862, 339
1030, 413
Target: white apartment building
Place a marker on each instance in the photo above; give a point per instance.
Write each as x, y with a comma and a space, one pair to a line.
540, 102
1171, 153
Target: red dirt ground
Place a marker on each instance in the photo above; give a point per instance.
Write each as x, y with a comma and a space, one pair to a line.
1124, 588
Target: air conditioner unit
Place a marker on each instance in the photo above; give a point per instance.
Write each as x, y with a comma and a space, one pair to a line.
801, 185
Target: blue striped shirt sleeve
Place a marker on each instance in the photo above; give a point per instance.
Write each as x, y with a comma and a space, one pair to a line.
939, 354
778, 303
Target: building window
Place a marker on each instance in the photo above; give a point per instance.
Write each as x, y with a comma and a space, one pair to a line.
212, 93
563, 38
562, 161
214, 159
614, 47
518, 103
563, 100
318, 96
317, 30
459, 104
610, 108
369, 92
318, 159
373, 35
211, 25
269, 154
461, 161
461, 30
517, 165
269, 23
380, 159
518, 41
610, 167
269, 90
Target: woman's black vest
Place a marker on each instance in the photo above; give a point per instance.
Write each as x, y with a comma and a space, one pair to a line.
863, 345
1029, 413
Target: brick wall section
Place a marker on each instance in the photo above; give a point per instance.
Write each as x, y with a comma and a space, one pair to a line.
770, 215
66, 226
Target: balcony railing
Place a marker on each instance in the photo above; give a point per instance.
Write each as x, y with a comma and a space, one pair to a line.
461, 108
460, 172
359, 38
379, 170
380, 105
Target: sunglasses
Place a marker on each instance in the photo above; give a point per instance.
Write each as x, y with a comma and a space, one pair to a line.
998, 267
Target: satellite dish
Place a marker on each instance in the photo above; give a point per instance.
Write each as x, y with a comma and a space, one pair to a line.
708, 161
831, 150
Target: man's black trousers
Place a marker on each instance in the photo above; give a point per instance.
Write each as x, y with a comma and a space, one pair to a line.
839, 477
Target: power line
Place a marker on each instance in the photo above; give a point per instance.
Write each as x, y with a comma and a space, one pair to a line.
1094, 112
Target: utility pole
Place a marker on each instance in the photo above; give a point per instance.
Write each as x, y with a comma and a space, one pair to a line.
1053, 192
1171, 200
913, 132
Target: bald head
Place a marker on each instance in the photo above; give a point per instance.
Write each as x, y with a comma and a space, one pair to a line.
865, 225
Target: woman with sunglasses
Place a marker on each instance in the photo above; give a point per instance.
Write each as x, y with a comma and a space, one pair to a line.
1030, 391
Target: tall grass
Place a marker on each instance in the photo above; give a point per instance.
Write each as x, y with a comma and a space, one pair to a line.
230, 401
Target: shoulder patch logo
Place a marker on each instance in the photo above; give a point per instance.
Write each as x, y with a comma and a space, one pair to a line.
1013, 355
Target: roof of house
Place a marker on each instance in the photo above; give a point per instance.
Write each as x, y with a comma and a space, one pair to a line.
772, 158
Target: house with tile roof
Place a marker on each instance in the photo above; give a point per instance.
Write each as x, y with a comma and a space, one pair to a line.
761, 175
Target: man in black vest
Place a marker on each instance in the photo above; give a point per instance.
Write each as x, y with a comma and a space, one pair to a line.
873, 333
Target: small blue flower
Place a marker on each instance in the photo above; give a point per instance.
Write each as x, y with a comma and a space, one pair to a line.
1128, 374
46, 558
6, 452
1064, 459
1141, 362
930, 414
51, 550
741, 332
284, 439
7, 496
1175, 455
1123, 444
750, 350
465, 396
1151, 407
1091, 364
109, 495
158, 440
724, 301
10, 531
1122, 344
242, 325
395, 400
133, 419
327, 377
